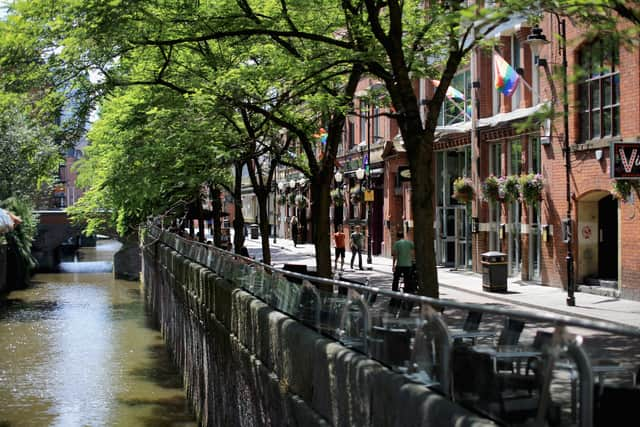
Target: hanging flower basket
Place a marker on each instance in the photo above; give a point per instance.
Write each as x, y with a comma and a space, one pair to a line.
463, 190
301, 201
337, 196
491, 189
531, 187
282, 199
621, 189
292, 198
509, 188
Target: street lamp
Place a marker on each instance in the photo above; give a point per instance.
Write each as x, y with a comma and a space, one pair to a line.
536, 41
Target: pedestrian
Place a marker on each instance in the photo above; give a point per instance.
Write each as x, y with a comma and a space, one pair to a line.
294, 230
403, 254
339, 238
357, 242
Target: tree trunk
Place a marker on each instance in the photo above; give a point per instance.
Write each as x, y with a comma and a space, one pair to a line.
320, 200
263, 212
216, 210
238, 219
423, 216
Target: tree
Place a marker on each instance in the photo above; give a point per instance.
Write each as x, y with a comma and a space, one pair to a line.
330, 45
29, 154
146, 157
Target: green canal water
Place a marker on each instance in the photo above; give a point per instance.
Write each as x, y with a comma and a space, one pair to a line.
78, 349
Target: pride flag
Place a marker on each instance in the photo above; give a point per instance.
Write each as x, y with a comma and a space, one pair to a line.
452, 93
505, 77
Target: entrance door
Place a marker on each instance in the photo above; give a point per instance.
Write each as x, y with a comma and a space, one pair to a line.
454, 247
608, 238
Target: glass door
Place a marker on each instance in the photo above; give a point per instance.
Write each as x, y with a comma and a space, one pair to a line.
453, 242
535, 215
514, 225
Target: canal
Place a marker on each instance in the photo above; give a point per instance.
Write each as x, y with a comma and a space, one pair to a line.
78, 349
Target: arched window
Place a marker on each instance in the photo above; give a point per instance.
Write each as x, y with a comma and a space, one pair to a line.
599, 90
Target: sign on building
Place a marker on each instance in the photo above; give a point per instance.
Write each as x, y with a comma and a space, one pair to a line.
625, 160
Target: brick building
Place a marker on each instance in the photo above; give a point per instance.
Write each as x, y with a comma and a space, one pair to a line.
483, 133
499, 139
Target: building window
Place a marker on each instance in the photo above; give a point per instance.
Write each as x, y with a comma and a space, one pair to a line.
515, 63
599, 90
376, 125
351, 134
364, 114
457, 106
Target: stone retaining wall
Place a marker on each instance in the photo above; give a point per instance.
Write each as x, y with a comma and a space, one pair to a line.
246, 364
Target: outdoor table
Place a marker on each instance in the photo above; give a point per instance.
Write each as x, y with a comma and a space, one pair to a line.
599, 370
459, 334
506, 353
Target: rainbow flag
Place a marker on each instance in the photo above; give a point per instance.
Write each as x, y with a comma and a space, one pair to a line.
452, 93
506, 79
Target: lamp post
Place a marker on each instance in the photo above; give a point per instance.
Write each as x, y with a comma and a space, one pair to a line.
536, 41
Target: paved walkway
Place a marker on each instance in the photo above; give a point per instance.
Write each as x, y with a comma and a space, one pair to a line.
466, 286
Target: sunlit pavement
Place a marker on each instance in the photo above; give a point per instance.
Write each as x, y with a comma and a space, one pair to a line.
465, 286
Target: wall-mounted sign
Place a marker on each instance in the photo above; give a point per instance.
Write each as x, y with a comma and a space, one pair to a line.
625, 160
368, 195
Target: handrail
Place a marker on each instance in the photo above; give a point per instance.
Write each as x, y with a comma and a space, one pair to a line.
430, 327
554, 319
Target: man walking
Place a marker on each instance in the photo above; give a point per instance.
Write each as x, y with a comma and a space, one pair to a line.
402, 252
339, 238
357, 242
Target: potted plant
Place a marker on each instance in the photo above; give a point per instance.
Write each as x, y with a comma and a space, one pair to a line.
491, 189
509, 188
531, 186
621, 189
301, 201
337, 196
463, 190
292, 198
282, 199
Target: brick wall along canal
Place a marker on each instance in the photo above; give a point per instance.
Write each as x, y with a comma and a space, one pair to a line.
77, 349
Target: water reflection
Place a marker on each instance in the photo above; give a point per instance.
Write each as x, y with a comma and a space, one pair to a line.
77, 350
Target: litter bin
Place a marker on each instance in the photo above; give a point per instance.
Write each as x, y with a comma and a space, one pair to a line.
254, 231
494, 271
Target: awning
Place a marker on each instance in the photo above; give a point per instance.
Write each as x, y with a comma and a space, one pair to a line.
488, 122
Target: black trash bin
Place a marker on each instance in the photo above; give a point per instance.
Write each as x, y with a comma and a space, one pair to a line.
494, 271
255, 231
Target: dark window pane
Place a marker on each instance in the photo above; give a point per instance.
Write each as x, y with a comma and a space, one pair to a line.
616, 88
606, 91
616, 121
606, 122
583, 90
595, 122
584, 126
595, 94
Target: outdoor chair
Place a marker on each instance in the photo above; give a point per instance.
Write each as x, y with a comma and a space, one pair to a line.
395, 344
509, 336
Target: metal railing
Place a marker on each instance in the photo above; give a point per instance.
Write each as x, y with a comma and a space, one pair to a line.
411, 335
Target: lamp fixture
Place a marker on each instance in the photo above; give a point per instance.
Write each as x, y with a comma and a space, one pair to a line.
292, 184
281, 186
338, 177
360, 173
536, 41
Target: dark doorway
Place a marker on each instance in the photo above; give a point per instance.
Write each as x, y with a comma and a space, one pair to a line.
608, 238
